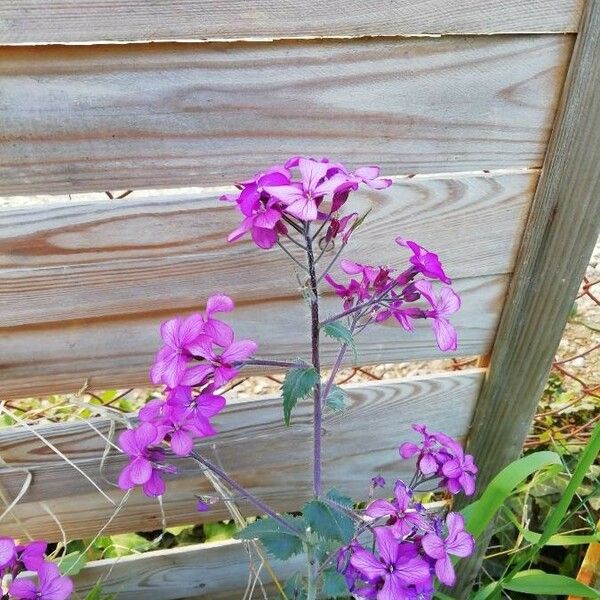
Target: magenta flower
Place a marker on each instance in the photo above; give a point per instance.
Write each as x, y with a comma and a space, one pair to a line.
264, 226
459, 469
172, 359
51, 586
404, 518
447, 304
302, 200
7, 552
199, 410
429, 459
424, 262
397, 566
222, 367
32, 555
145, 467
457, 542
370, 176
220, 333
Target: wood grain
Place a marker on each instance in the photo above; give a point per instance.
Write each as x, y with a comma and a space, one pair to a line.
59, 21
117, 352
112, 259
89, 118
559, 238
254, 446
216, 570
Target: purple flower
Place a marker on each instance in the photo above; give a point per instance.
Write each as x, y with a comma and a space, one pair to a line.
458, 542
447, 303
145, 466
404, 518
370, 176
171, 360
459, 469
397, 566
264, 225
222, 367
220, 333
377, 481
424, 262
428, 460
7, 552
302, 199
51, 586
32, 555
199, 410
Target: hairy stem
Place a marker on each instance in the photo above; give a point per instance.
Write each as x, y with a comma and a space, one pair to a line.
243, 492
290, 255
259, 362
316, 361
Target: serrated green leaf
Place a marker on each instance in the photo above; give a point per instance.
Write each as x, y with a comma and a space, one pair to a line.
539, 582
297, 384
336, 398
334, 585
328, 522
295, 588
338, 331
72, 563
279, 541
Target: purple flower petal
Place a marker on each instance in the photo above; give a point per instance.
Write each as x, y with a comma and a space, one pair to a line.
445, 571
23, 589
368, 564
380, 508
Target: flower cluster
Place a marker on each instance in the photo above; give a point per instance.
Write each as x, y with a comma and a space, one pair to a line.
199, 356
304, 189
382, 292
15, 558
411, 546
441, 456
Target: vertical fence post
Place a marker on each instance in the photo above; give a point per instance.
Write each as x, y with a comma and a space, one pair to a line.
559, 237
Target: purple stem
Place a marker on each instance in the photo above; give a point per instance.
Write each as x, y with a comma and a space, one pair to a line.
316, 361
243, 492
358, 307
284, 364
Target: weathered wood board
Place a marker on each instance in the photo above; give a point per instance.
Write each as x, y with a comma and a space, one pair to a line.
59, 21
216, 570
269, 458
88, 118
117, 352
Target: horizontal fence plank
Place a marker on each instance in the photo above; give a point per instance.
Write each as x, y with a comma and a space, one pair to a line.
89, 118
59, 21
254, 446
110, 353
217, 570
106, 259
99, 277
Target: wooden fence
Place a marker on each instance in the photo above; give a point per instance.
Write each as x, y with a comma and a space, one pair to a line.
487, 115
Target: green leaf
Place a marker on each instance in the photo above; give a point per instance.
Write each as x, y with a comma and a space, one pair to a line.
72, 563
328, 522
587, 458
279, 541
295, 588
484, 592
336, 398
338, 331
441, 595
334, 585
96, 594
479, 514
556, 540
125, 544
219, 531
538, 582
297, 384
